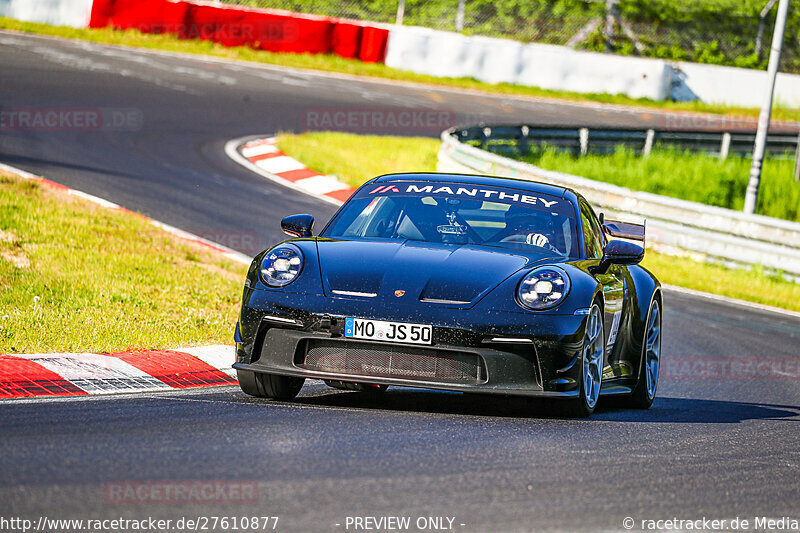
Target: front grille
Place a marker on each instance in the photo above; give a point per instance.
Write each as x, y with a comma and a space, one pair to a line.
381, 360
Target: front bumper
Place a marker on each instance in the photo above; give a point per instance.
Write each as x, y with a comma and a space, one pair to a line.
525, 354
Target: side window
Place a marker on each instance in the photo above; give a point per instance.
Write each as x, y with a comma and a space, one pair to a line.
598, 228
592, 235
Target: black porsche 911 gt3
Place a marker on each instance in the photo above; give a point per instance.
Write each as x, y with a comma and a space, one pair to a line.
455, 282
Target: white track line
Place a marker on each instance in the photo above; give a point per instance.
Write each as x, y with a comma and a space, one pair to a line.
732, 301
228, 252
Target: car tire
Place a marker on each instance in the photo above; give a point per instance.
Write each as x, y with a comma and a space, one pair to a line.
269, 385
593, 356
650, 365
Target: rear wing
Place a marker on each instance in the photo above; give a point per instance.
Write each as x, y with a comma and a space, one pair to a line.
624, 230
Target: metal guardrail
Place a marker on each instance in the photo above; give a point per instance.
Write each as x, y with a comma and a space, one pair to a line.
673, 225
580, 141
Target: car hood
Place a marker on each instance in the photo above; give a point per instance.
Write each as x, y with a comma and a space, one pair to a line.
421, 272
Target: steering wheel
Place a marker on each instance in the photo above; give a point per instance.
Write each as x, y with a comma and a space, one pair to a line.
525, 239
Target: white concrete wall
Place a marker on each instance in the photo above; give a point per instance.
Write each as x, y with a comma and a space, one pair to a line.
732, 86
561, 68
447, 54
73, 13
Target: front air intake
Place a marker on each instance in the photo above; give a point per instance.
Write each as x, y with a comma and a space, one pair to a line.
380, 360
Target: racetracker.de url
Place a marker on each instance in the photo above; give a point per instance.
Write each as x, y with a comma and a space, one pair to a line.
756, 523
44, 524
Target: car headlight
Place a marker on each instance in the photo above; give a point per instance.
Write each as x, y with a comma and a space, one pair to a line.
543, 288
281, 265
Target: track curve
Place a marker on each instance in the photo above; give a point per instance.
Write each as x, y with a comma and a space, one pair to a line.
720, 441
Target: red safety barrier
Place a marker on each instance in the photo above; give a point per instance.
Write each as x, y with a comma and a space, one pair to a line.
101, 11
285, 33
231, 27
346, 40
149, 16
235, 26
143, 15
174, 15
373, 44
202, 21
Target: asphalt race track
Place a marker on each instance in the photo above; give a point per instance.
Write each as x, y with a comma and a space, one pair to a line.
720, 441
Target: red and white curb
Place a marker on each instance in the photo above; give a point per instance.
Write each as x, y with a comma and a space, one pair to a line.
263, 157
83, 374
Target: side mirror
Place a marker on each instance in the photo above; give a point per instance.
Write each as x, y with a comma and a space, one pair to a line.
297, 225
619, 253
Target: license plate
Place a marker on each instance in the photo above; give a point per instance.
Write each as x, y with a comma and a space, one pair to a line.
359, 328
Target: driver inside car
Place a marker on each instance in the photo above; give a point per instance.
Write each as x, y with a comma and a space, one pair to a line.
529, 226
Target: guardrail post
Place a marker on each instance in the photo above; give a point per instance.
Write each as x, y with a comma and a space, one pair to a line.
583, 137
797, 160
648, 142
725, 147
486, 133
522, 142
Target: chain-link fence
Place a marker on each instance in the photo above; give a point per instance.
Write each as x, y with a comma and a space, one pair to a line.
724, 32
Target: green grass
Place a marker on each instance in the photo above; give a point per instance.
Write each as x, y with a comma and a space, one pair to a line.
76, 277
338, 64
357, 158
751, 285
695, 177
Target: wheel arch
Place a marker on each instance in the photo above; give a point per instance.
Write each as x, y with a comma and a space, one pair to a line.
647, 289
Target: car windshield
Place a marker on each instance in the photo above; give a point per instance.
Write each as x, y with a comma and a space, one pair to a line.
459, 213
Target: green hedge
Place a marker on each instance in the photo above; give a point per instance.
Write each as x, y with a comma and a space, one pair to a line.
707, 31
